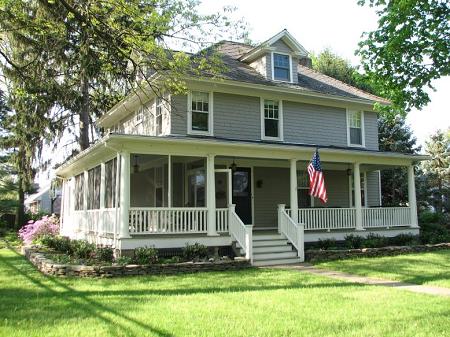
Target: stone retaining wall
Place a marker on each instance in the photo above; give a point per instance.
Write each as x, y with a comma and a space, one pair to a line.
50, 267
328, 255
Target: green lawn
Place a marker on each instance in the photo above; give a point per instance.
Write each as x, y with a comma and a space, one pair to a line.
425, 268
255, 302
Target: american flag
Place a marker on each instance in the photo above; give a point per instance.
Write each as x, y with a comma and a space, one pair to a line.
316, 181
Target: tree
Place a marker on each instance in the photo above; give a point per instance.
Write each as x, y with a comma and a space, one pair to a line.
437, 170
409, 49
93, 52
395, 136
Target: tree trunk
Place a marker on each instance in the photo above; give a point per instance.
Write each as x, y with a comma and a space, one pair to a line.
20, 212
85, 101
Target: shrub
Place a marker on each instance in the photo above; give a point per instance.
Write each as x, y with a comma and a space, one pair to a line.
374, 241
145, 255
403, 240
34, 230
82, 249
58, 243
428, 217
104, 254
196, 251
353, 241
124, 260
326, 243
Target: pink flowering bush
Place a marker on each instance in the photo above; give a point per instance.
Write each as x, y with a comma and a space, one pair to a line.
34, 230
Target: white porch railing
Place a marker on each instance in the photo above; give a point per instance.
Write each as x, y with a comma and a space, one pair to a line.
158, 220
222, 215
241, 233
345, 218
293, 232
99, 221
386, 217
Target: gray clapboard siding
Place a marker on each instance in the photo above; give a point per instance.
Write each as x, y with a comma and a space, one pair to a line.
178, 114
371, 130
336, 183
282, 47
314, 124
373, 189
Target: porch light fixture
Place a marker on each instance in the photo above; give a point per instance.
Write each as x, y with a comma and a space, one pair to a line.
233, 166
136, 165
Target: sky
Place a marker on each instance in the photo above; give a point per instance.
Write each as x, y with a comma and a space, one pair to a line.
318, 24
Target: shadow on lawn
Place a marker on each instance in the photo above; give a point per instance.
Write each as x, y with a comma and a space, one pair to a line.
82, 305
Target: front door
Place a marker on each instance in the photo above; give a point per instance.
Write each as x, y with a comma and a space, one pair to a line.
242, 193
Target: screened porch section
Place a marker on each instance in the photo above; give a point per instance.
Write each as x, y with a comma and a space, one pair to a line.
168, 195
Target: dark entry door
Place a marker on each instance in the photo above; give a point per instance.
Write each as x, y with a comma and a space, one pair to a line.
242, 193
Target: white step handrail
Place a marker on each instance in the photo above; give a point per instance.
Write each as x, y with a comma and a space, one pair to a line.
294, 232
242, 233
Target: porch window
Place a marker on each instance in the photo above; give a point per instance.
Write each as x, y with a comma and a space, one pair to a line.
188, 181
93, 201
303, 197
110, 183
281, 67
158, 116
79, 192
200, 112
355, 128
272, 120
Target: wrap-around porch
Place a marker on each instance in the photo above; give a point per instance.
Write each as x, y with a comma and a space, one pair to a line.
137, 194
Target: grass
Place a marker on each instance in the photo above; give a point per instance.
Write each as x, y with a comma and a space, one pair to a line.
254, 302
424, 268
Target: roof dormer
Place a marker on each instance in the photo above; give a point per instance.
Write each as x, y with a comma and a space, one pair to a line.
277, 58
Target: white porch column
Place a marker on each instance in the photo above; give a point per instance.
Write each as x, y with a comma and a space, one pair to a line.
124, 231
412, 201
211, 195
357, 189
101, 225
85, 227
293, 190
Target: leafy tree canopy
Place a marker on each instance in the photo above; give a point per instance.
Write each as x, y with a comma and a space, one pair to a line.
409, 49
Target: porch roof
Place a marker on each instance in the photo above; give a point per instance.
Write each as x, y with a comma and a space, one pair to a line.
108, 146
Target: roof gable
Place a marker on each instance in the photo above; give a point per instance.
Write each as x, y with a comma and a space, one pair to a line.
285, 37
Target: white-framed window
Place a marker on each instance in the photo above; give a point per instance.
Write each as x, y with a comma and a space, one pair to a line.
200, 113
139, 116
363, 190
158, 116
355, 128
271, 119
281, 67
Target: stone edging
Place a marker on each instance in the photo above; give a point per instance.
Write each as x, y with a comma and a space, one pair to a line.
49, 267
329, 255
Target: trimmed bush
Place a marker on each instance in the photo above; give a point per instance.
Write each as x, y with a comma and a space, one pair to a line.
145, 255
124, 260
353, 241
58, 243
104, 254
375, 241
196, 251
326, 243
404, 240
83, 249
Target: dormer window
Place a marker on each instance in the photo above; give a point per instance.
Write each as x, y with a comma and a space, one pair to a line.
281, 67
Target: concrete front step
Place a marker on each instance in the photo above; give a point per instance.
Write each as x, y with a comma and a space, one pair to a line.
274, 255
270, 249
260, 263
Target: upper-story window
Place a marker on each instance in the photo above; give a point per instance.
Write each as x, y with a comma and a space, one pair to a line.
200, 113
281, 67
355, 128
272, 121
158, 116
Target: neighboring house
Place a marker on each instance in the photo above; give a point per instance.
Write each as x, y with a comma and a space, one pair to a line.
218, 165
44, 202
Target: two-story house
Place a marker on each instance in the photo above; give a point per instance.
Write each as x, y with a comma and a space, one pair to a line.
226, 164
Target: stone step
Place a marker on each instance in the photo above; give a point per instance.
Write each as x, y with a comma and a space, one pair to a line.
275, 262
274, 255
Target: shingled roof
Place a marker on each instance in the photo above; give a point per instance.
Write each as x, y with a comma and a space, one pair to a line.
309, 80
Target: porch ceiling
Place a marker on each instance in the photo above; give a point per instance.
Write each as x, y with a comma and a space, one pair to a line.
109, 145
